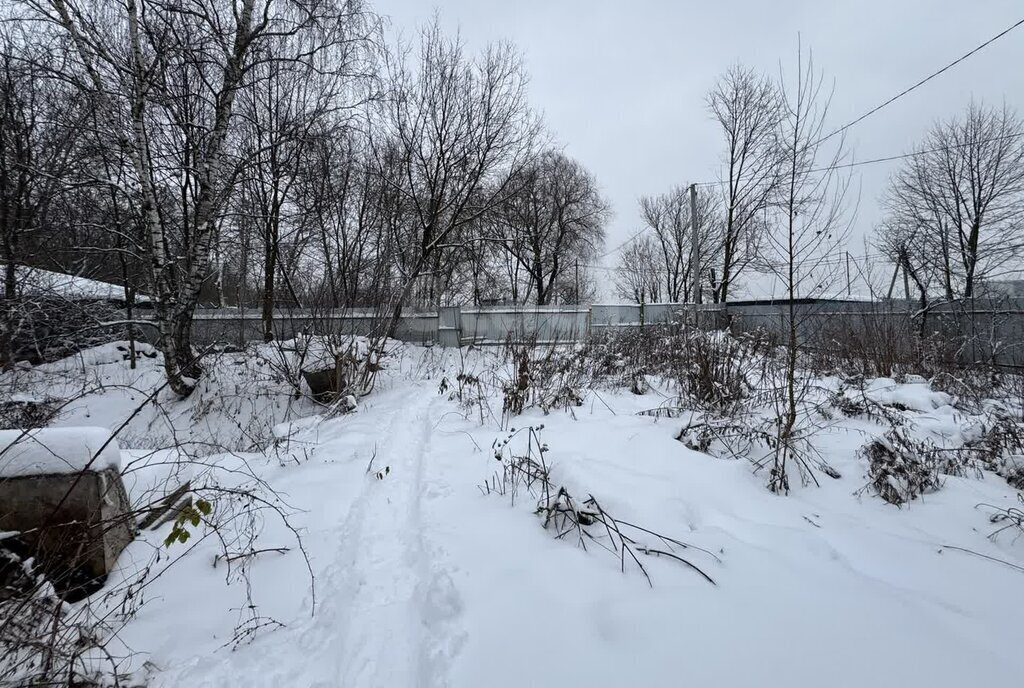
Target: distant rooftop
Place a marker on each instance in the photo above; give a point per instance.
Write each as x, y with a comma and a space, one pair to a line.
38, 281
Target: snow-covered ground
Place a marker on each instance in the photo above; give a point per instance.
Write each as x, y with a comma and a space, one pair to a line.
416, 577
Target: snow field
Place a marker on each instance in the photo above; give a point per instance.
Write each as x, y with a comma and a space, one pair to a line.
422, 580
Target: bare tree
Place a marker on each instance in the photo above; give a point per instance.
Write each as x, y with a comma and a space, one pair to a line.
278, 111
667, 215
748, 109
347, 208
962, 194
915, 234
905, 243
554, 219
810, 224
637, 274
165, 78
455, 130
39, 135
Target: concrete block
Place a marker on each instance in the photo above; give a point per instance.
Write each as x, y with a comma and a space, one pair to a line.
75, 524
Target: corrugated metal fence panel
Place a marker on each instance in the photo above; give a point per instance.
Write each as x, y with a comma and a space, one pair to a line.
665, 313
992, 329
545, 324
241, 327
614, 315
988, 331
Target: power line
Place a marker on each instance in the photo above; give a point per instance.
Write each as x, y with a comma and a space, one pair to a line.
922, 82
630, 239
901, 156
867, 114
843, 166
914, 154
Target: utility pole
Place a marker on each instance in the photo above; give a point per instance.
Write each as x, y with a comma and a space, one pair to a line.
577, 294
694, 248
848, 288
892, 282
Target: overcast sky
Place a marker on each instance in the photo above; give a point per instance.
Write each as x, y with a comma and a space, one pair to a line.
622, 84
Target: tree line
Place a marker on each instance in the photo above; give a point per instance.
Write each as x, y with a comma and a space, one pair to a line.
269, 153
279, 152
953, 217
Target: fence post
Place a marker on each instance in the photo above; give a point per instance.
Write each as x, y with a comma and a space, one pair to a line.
449, 326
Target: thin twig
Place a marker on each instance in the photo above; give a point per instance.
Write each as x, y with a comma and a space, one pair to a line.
985, 556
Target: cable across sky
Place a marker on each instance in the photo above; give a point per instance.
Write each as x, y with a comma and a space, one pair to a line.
861, 118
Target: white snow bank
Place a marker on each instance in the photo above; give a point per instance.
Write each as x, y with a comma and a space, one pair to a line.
45, 451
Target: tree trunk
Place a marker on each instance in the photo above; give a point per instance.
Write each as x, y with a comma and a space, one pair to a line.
10, 277
727, 257
186, 360
972, 259
269, 272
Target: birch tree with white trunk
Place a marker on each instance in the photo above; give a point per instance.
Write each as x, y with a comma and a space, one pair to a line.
165, 78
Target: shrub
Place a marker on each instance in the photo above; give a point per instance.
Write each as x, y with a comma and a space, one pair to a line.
527, 473
43, 328
23, 414
543, 376
900, 470
712, 370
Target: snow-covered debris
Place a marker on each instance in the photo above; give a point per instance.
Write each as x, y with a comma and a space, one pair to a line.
47, 451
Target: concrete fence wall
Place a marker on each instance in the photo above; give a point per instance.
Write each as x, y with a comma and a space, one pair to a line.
983, 330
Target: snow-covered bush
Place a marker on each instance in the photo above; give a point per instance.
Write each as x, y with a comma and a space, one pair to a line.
546, 376
711, 370
324, 367
46, 641
1000, 446
900, 469
26, 413
42, 641
470, 391
526, 472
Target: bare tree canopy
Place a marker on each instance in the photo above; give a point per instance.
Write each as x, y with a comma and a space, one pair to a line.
454, 130
669, 227
638, 274
39, 149
956, 207
164, 79
748, 109
553, 218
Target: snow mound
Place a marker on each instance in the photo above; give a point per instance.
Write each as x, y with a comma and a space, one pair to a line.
48, 451
916, 395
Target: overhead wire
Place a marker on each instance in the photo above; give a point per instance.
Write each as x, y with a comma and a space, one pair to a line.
861, 118
923, 81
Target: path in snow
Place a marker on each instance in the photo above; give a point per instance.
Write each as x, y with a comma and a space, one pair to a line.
385, 601
391, 584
